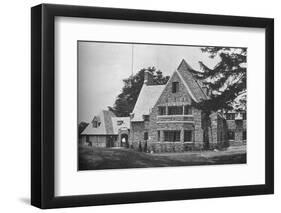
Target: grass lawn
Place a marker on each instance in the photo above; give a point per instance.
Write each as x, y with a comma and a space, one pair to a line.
93, 158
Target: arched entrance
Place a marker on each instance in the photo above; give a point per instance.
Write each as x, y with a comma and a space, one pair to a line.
124, 140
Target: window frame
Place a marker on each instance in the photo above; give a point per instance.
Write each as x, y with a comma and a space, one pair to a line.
145, 136
176, 110
173, 136
191, 136
160, 108
233, 132
185, 107
175, 86
244, 135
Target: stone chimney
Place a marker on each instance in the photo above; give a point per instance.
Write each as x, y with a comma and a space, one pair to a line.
148, 78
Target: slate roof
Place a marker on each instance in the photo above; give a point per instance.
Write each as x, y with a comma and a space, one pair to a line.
107, 115
105, 127
150, 94
195, 85
146, 100
109, 124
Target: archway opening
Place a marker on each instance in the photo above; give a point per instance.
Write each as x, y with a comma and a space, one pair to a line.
124, 140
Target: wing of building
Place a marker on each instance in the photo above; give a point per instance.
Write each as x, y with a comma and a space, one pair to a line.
107, 130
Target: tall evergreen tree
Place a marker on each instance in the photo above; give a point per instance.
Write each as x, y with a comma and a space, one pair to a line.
226, 82
82, 126
126, 100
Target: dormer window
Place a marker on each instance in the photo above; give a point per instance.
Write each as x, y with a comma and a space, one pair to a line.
175, 87
95, 124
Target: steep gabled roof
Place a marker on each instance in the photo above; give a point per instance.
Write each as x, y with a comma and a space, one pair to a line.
146, 100
150, 94
109, 124
194, 85
108, 121
105, 127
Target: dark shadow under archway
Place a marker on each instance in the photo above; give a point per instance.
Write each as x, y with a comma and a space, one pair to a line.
124, 140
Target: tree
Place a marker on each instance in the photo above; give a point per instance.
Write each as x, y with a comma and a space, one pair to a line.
82, 126
226, 82
126, 100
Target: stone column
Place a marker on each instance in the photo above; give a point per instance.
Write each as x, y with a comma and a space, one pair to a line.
198, 131
161, 135
182, 135
213, 130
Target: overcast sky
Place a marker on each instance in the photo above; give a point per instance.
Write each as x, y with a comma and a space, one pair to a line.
102, 66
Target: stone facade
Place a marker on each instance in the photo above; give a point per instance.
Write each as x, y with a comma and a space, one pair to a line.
99, 140
150, 133
165, 119
237, 128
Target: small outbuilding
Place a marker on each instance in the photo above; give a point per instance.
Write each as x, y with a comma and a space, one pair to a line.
107, 130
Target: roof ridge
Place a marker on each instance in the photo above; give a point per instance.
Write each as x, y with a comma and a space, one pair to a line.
184, 70
183, 63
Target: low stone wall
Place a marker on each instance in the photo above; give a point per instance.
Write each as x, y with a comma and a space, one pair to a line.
158, 147
237, 143
165, 147
193, 146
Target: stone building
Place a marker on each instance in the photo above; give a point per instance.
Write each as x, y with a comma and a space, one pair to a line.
165, 118
107, 130
236, 127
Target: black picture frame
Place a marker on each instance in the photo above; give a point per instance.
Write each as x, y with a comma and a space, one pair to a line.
42, 105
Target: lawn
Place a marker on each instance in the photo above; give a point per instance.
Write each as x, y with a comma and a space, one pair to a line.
93, 158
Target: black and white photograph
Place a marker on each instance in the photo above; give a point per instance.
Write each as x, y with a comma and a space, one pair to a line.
134, 105
160, 105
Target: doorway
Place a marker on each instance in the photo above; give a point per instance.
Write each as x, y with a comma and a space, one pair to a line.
124, 140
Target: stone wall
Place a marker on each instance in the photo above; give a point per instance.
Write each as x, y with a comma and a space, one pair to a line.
237, 126
219, 126
198, 130
94, 140
121, 132
136, 134
180, 97
82, 140
165, 147
98, 140
215, 126
169, 122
